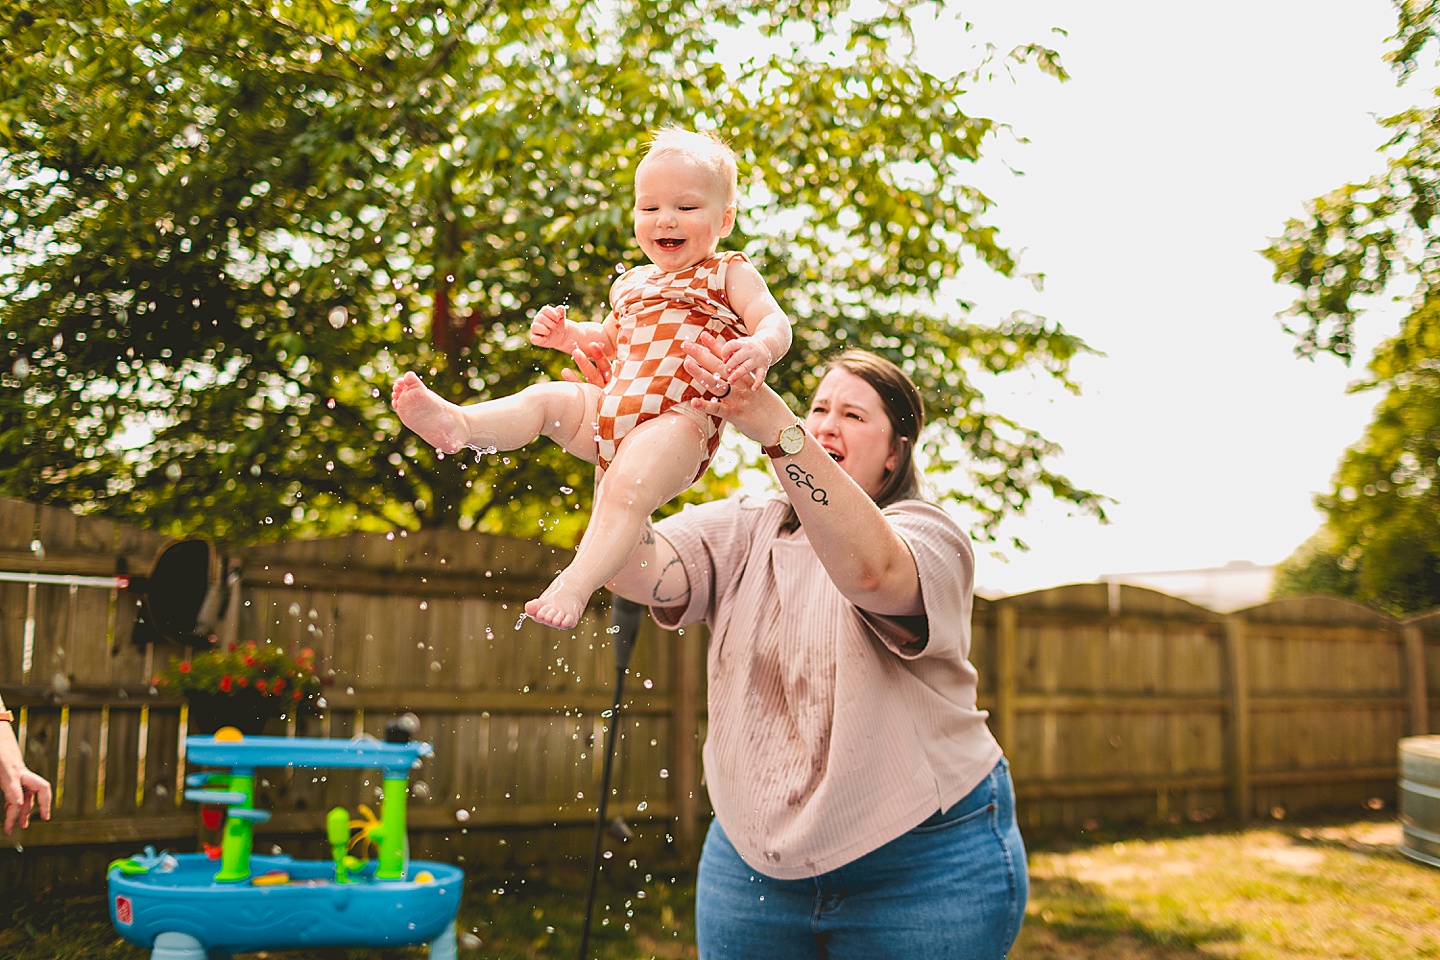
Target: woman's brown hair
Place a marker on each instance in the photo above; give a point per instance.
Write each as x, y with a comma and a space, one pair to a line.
905, 410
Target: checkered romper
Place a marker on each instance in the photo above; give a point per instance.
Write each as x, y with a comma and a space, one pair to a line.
655, 313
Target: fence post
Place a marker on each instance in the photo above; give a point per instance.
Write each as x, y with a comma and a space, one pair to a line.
1006, 628
1415, 679
1237, 678
685, 740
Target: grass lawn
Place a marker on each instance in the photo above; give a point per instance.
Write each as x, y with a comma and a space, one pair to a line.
1284, 891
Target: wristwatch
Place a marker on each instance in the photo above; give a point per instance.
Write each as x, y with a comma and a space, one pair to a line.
792, 441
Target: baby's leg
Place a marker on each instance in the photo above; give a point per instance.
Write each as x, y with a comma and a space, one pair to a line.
654, 463
565, 412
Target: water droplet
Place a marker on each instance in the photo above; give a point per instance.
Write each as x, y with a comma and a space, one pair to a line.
289, 580
664, 774
337, 317
462, 815
566, 490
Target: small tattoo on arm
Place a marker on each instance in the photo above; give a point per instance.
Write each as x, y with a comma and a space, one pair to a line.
804, 479
647, 536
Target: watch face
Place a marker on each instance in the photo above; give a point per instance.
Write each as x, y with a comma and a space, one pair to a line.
792, 439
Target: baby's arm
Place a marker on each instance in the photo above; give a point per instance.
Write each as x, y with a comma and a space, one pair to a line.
767, 328
552, 329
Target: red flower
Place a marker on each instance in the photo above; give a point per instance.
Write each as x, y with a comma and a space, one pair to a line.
260, 685
225, 683
279, 684
185, 667
243, 681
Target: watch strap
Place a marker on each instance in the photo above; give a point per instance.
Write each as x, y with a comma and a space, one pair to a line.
7, 716
777, 449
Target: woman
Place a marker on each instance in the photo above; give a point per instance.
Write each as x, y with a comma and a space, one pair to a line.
863, 809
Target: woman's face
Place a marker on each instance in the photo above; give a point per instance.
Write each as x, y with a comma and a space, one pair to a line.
848, 418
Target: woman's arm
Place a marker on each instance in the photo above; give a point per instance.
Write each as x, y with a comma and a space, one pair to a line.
866, 559
654, 574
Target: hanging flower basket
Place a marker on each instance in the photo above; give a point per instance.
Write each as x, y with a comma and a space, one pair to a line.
244, 686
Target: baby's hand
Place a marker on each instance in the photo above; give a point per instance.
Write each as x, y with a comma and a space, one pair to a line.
548, 329
746, 360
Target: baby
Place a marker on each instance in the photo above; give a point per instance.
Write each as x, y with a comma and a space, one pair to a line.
647, 440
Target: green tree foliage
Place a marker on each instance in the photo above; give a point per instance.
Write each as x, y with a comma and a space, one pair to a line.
1381, 538
228, 227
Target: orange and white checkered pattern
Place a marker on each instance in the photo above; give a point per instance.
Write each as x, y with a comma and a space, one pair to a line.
655, 313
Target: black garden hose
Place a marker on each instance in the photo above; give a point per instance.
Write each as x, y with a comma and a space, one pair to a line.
625, 619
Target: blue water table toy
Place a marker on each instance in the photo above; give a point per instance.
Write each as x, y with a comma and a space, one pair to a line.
190, 906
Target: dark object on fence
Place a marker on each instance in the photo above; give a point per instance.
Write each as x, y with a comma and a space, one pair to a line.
625, 621
183, 598
402, 729
1420, 799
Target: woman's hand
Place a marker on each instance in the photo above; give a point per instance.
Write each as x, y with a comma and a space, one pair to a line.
759, 414
594, 366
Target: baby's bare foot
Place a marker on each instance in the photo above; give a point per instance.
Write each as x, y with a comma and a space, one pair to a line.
439, 422
558, 606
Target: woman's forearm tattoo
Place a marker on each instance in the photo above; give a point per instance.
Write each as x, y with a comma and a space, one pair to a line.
804, 479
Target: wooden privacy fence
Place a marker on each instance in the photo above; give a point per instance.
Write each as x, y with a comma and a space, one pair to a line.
1113, 702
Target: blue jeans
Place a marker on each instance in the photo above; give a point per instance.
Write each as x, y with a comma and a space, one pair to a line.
953, 888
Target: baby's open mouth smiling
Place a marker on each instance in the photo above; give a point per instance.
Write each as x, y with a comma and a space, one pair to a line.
669, 243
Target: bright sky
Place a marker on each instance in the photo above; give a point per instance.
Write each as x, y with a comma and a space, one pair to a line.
1186, 137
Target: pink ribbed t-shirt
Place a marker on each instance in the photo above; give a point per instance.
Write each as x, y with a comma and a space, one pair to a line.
831, 730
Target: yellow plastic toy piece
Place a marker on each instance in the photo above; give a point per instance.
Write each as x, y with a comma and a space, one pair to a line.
424, 876
228, 735
272, 879
366, 828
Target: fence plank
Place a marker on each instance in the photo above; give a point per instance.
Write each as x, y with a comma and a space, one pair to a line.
1112, 702
1237, 661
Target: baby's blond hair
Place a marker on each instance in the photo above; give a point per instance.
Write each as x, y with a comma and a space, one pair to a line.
704, 148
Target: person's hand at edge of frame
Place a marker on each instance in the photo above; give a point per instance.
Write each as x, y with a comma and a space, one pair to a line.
24, 791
